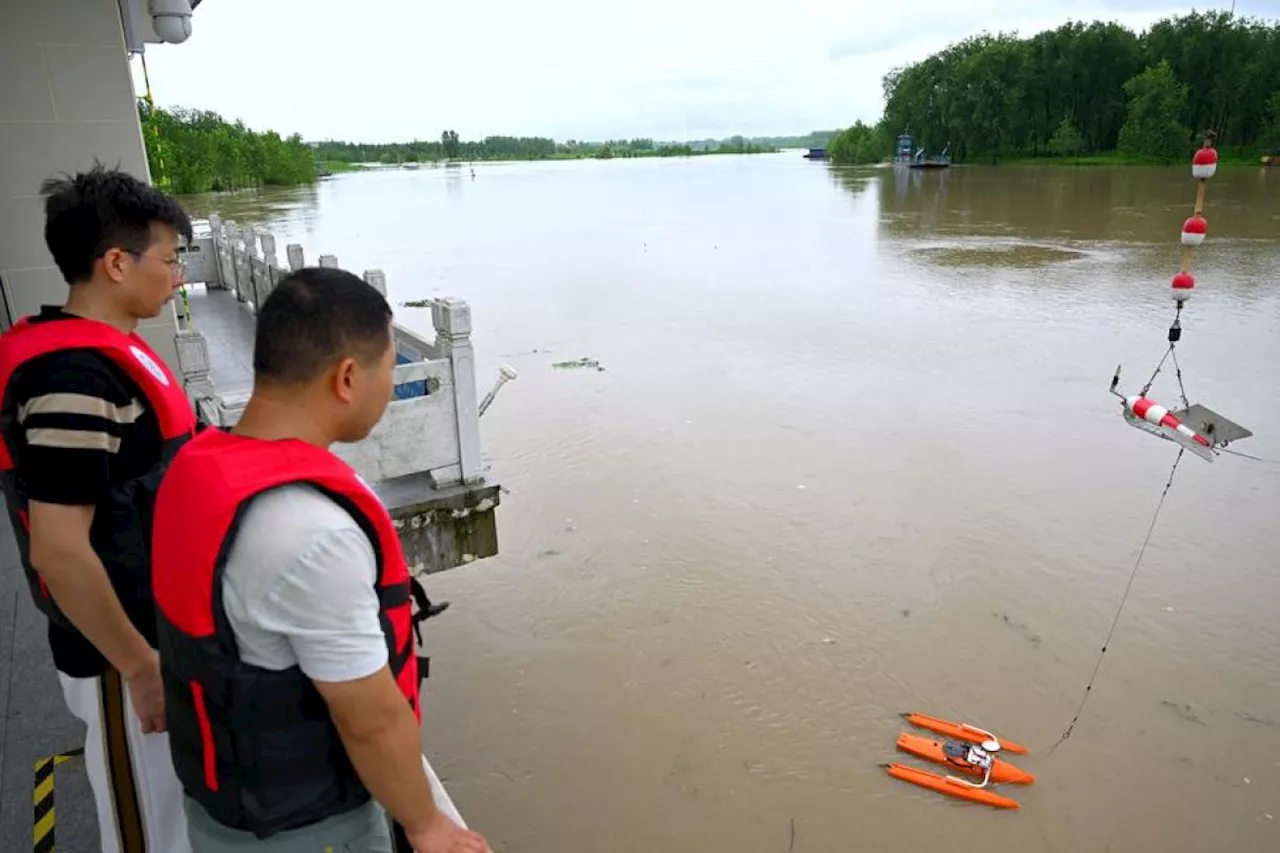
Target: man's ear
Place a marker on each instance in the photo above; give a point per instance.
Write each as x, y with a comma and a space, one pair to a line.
115, 263
344, 379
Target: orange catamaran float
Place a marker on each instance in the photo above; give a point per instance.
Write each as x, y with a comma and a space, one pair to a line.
972, 752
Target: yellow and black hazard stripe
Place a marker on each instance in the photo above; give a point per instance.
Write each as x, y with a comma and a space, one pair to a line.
44, 819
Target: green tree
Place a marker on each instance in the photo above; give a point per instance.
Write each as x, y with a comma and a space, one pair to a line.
193, 151
858, 144
1153, 128
449, 141
1271, 132
997, 95
1066, 140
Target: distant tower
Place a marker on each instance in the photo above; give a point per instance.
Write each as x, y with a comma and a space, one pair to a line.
903, 152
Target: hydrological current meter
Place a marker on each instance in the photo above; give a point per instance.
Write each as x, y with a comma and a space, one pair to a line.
1196, 428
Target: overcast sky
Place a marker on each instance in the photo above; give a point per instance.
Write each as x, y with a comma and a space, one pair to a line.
579, 69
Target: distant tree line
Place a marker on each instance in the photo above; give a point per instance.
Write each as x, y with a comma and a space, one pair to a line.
1082, 90
450, 147
196, 151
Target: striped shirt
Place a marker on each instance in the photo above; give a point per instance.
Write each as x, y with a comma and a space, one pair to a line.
77, 426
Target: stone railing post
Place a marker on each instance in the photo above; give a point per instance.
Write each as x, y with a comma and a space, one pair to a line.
377, 279
270, 264
241, 249
452, 321
230, 236
249, 285
260, 269
296, 259
251, 290
219, 266
269, 248
193, 365
330, 261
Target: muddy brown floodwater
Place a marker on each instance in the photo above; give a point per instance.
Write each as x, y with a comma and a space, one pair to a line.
851, 453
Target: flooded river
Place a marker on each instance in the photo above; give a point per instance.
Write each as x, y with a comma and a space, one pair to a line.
851, 453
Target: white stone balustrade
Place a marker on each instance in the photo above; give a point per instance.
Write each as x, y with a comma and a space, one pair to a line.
436, 432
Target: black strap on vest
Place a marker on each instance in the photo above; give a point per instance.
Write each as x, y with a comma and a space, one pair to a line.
426, 610
399, 838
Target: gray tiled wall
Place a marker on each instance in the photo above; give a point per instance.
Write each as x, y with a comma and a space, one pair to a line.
66, 99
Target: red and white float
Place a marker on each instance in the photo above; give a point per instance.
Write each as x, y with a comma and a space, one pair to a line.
1194, 231
1205, 163
1183, 284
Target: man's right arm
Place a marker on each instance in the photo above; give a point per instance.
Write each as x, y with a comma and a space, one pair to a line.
326, 605
381, 735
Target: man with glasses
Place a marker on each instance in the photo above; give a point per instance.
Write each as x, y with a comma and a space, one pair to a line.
89, 418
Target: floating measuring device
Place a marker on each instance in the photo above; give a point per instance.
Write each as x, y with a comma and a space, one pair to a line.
1195, 428
1192, 427
972, 753
955, 756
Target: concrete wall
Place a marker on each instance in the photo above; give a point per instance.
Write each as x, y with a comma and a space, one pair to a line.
66, 98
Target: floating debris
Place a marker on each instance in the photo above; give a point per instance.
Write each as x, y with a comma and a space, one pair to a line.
579, 364
417, 303
1031, 636
1184, 712
1257, 721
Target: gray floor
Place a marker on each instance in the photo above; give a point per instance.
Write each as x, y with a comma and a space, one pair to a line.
227, 326
35, 722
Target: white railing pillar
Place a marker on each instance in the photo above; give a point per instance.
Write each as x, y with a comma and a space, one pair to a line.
193, 365
377, 279
452, 321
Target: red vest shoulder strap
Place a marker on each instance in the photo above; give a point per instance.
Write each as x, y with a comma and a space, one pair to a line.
164, 392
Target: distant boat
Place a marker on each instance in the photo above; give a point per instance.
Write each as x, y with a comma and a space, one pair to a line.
906, 154
940, 162
816, 154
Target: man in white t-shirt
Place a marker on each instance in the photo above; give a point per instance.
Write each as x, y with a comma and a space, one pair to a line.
298, 590
294, 723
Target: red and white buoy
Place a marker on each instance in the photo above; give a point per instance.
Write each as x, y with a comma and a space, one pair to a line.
1183, 284
1194, 230
1154, 413
1204, 163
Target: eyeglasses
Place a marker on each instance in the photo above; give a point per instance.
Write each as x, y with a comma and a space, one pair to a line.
176, 267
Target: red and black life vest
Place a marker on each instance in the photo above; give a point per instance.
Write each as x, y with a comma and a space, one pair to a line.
257, 747
121, 532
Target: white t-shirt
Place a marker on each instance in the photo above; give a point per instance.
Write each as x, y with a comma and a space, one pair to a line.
298, 588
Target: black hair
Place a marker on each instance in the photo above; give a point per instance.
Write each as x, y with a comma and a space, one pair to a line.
90, 212
315, 316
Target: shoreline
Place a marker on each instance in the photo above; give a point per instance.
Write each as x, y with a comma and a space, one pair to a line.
1101, 160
